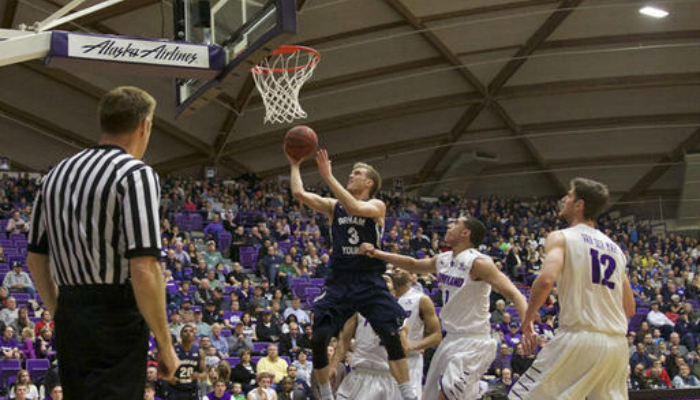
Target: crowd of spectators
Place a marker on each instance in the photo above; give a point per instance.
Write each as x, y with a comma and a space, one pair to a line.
254, 330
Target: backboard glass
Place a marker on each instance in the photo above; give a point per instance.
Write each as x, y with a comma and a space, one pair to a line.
247, 30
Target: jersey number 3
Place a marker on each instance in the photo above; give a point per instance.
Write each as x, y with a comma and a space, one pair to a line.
608, 262
354, 237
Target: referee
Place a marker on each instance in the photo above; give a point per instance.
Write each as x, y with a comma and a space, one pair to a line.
92, 252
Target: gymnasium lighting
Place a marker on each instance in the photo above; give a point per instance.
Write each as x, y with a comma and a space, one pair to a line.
653, 12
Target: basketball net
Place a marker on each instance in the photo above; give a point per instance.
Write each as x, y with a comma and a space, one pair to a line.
279, 79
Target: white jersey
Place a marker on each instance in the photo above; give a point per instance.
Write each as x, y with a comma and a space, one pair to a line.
368, 352
410, 301
590, 285
465, 302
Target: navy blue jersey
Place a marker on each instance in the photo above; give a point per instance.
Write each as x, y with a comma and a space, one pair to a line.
189, 363
347, 233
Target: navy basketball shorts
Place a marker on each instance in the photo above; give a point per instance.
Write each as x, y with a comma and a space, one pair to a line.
365, 292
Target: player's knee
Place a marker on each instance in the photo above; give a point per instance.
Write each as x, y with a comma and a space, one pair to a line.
392, 343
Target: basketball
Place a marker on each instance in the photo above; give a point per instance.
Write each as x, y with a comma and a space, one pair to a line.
300, 142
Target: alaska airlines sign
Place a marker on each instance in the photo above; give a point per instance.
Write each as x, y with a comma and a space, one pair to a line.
138, 51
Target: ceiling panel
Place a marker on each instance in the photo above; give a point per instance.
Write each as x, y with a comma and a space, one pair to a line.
49, 100
375, 50
606, 17
619, 178
20, 143
512, 185
429, 7
479, 33
577, 106
322, 18
609, 143
622, 60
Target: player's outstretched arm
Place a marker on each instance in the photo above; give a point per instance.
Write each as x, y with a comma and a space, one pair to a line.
433, 331
555, 249
369, 209
628, 302
485, 270
317, 203
410, 264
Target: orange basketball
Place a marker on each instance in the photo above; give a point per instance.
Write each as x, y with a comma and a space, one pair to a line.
300, 142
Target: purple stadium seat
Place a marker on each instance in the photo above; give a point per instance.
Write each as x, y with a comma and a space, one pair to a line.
226, 333
21, 297
287, 359
317, 281
636, 321
37, 368
260, 347
299, 289
285, 246
9, 369
196, 222
311, 294
255, 359
225, 240
18, 237
233, 361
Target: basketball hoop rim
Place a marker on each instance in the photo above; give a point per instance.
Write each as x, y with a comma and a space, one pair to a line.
288, 49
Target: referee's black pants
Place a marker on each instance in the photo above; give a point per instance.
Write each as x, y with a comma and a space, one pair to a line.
101, 343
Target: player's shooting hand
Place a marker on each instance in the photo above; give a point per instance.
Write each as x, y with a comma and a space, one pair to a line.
324, 164
367, 249
529, 337
292, 161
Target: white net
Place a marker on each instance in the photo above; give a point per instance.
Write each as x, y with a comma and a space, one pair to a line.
279, 79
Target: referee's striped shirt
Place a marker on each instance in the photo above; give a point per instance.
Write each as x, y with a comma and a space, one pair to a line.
93, 212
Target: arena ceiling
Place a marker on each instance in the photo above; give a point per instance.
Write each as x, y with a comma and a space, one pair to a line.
486, 97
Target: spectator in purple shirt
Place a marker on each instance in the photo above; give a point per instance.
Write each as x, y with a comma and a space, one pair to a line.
214, 228
219, 392
502, 360
512, 337
9, 345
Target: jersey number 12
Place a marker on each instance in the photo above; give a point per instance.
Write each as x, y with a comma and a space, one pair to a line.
609, 264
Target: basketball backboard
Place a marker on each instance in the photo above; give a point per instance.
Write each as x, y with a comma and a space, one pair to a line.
247, 30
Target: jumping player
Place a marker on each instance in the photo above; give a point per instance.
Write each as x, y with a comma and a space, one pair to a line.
589, 354
466, 277
183, 386
355, 283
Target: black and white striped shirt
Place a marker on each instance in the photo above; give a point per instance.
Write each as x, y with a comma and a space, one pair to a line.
93, 212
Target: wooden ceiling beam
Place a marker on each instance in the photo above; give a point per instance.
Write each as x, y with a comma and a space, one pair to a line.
564, 9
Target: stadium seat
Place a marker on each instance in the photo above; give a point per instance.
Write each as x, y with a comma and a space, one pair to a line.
38, 368
260, 347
